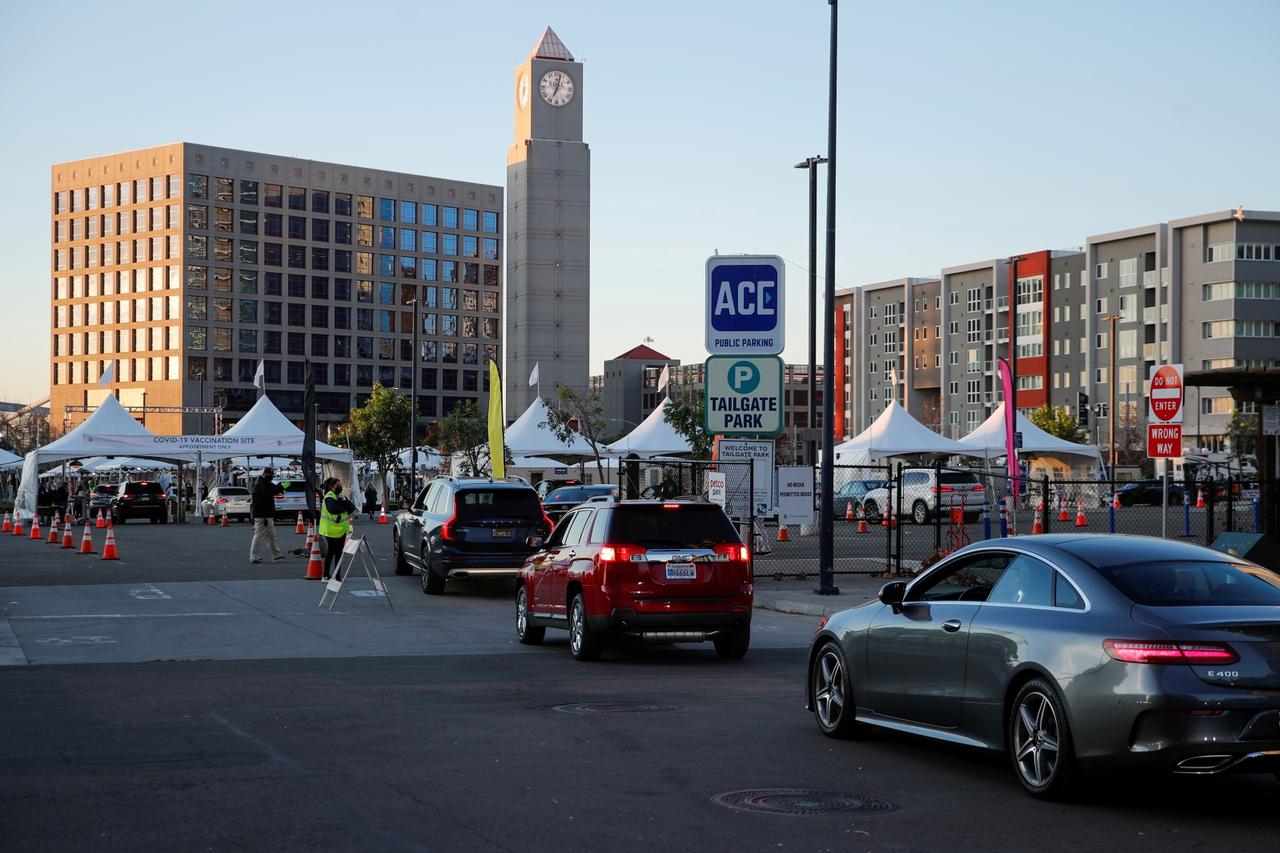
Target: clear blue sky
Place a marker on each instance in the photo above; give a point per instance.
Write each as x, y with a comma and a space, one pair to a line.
967, 130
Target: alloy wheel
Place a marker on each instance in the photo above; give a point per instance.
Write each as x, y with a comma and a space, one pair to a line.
1036, 737
522, 612
828, 691
576, 626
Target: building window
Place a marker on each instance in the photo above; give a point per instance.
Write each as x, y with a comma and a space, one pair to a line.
450, 217
974, 391
1030, 290
1100, 271
197, 187
974, 330
1128, 272
273, 195
1241, 329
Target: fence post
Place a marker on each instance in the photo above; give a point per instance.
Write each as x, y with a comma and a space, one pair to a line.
1230, 525
1044, 503
986, 519
895, 527
884, 515
1210, 510
1111, 501
1187, 488
937, 511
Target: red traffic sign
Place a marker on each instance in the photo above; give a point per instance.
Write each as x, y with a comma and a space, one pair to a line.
1164, 441
1166, 394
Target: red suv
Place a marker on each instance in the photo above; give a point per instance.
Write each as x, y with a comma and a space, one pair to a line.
663, 571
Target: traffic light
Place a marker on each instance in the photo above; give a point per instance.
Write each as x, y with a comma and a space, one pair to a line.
1082, 409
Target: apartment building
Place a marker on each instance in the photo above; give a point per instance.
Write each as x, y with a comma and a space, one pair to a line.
179, 268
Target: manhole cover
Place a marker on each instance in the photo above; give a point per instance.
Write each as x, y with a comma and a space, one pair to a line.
614, 708
801, 802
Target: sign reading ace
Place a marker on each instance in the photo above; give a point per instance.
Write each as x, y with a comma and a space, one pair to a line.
744, 304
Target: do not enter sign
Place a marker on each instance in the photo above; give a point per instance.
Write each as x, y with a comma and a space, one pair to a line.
1165, 395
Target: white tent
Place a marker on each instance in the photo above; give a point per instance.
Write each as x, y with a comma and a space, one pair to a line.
118, 463
653, 437
264, 431
896, 433
988, 439
529, 435
9, 460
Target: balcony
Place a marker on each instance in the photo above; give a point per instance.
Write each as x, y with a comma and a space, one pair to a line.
1149, 278
1002, 304
1149, 314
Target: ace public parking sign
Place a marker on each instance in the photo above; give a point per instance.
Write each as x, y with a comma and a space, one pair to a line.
744, 305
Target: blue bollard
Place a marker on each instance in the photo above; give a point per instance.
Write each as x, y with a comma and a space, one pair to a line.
986, 522
1111, 509
1004, 519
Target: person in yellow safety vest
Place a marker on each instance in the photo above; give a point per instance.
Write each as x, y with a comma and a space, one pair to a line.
335, 523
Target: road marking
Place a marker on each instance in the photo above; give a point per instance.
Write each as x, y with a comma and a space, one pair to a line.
76, 641
11, 653
261, 745
121, 615
149, 593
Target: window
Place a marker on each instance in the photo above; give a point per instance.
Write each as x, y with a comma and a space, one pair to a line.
449, 244
387, 209
974, 330
319, 201
974, 391
1241, 329
1255, 252
197, 187
1128, 343
1100, 306
1030, 290
1128, 272
342, 204
450, 217
1100, 271
249, 192
297, 198
1241, 290
971, 579
1128, 308
1025, 581
1100, 376
273, 195
489, 222
320, 230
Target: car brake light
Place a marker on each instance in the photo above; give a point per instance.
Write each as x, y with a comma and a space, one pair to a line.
619, 553
546, 519
735, 552
1140, 651
671, 506
976, 488
446, 529
222, 500
279, 497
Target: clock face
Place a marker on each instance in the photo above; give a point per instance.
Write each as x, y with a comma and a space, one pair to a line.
522, 90
556, 88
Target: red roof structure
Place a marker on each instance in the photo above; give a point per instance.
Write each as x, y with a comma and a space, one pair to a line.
643, 353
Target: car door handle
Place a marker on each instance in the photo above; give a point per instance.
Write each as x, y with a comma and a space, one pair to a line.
573, 554
951, 625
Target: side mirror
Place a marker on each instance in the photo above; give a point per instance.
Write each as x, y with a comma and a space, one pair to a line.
534, 542
892, 593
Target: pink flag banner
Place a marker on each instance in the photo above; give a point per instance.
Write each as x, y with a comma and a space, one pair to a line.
1010, 425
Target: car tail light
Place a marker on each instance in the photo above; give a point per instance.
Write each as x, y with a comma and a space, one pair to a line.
222, 500
1141, 651
621, 554
671, 506
736, 552
976, 488
546, 519
446, 530
943, 489
279, 497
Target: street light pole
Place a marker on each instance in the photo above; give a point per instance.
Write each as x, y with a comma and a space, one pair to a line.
811, 163
826, 543
1111, 381
413, 410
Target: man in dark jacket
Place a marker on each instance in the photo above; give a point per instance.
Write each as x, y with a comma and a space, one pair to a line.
370, 500
262, 507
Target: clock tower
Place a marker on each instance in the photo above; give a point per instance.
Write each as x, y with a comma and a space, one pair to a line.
548, 229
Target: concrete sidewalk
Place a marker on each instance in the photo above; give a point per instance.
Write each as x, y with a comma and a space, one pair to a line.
794, 595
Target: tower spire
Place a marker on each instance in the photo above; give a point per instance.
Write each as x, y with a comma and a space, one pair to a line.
550, 47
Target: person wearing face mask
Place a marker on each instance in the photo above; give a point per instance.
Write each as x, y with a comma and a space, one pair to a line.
335, 524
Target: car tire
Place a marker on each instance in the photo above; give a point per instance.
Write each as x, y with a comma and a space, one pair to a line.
1039, 742
920, 512
585, 644
432, 584
733, 645
870, 510
831, 693
402, 565
529, 635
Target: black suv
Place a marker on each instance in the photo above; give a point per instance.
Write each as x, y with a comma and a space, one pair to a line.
467, 528
565, 498
143, 499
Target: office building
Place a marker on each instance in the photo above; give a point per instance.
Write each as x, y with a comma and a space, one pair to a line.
628, 387
180, 267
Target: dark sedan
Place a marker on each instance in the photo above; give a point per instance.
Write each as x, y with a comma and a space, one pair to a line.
565, 498
1150, 494
1073, 654
848, 498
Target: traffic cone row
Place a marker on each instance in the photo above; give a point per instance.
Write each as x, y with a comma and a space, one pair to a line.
315, 566
53, 530
109, 547
18, 529
67, 540
862, 520
298, 528
86, 541
1037, 526
8, 523
1062, 509
1081, 520
35, 528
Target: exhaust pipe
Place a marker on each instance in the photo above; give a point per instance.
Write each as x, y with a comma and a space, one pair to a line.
1205, 763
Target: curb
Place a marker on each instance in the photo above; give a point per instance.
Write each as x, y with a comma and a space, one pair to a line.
782, 604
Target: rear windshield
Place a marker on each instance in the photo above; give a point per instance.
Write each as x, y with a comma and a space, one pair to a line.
953, 478
295, 486
672, 526
577, 493
232, 491
477, 504
1173, 584
105, 490
143, 489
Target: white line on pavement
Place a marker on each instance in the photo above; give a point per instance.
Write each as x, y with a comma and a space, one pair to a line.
121, 615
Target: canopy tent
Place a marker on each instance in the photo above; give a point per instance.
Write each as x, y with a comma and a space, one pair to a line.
988, 440
529, 435
264, 431
9, 460
109, 427
653, 437
119, 463
896, 433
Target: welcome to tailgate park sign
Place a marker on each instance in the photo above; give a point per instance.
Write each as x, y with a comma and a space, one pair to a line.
1164, 412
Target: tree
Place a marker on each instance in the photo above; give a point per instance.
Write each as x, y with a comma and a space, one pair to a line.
379, 428
687, 417
1242, 434
465, 431
574, 412
1058, 422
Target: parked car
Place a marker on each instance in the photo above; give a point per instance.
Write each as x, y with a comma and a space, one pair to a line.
546, 487
142, 499
231, 501
920, 495
101, 496
565, 498
850, 496
467, 528
1074, 654
1151, 494
293, 501
662, 571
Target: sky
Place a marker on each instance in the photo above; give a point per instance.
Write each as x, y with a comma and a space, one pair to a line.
966, 130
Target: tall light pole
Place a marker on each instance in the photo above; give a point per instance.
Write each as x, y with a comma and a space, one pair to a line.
1111, 381
413, 410
826, 538
811, 163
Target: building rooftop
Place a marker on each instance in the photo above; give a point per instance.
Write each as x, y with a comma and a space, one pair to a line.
550, 47
642, 353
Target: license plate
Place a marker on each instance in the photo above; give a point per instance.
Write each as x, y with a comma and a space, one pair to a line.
502, 533
682, 572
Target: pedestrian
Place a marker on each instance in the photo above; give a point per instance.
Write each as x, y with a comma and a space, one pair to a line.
370, 499
335, 524
263, 509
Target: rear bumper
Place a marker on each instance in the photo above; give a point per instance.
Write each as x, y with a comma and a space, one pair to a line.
630, 621
460, 564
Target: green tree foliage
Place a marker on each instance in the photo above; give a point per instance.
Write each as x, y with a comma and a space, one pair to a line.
686, 416
380, 428
1242, 434
573, 412
466, 431
1057, 421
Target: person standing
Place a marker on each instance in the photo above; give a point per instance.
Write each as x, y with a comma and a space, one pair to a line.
335, 524
262, 507
370, 500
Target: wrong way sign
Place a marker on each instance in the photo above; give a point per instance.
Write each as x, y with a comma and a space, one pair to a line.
1165, 396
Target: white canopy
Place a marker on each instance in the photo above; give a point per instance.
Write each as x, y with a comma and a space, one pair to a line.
529, 435
896, 433
653, 437
117, 463
264, 431
988, 439
9, 460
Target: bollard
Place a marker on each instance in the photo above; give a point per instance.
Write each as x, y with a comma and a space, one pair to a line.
1111, 511
1186, 515
986, 521
1004, 519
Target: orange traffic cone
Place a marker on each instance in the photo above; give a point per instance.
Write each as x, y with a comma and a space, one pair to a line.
1062, 510
1037, 526
53, 531
86, 541
109, 548
311, 536
315, 566
299, 528
1199, 498
1081, 521
1115, 500
862, 520
8, 523
67, 541
848, 510
783, 534
18, 529
102, 522
35, 528
211, 520
225, 522
382, 516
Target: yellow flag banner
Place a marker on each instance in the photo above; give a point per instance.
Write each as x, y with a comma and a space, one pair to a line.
497, 453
